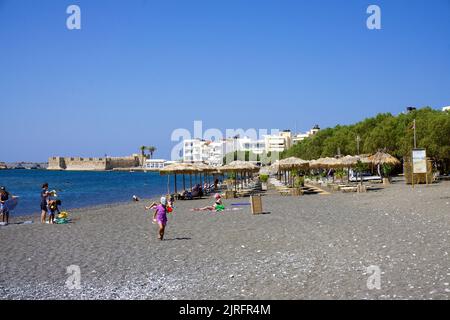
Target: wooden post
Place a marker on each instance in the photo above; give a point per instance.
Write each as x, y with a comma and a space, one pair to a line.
175, 182
168, 184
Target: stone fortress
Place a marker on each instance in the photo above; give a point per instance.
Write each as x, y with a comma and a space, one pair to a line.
93, 164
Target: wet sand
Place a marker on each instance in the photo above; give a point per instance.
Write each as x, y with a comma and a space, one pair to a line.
307, 247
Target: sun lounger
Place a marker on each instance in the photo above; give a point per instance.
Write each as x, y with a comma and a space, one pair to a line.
349, 189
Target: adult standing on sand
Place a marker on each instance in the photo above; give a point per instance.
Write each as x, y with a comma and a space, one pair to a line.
4, 211
45, 195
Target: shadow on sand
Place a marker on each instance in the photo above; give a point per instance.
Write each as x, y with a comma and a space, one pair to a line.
180, 239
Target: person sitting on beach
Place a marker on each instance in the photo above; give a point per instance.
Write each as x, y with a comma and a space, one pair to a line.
185, 195
53, 207
160, 215
216, 184
4, 211
171, 200
197, 191
217, 206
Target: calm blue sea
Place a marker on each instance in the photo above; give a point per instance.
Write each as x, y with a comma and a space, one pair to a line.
80, 189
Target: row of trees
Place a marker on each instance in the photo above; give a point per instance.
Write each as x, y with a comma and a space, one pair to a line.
393, 134
264, 159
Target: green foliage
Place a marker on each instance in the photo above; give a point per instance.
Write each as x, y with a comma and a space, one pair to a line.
247, 156
339, 173
263, 178
299, 181
386, 132
386, 169
361, 167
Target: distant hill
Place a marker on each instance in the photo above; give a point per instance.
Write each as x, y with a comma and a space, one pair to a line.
27, 165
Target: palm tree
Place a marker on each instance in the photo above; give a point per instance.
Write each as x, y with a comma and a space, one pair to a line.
142, 148
152, 150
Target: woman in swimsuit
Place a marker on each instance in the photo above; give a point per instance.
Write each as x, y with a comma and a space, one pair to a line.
217, 206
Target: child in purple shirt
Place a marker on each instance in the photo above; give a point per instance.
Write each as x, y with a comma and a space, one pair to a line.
160, 215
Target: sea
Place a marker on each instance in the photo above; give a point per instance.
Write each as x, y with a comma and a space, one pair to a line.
80, 189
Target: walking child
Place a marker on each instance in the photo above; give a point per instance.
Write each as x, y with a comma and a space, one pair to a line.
160, 215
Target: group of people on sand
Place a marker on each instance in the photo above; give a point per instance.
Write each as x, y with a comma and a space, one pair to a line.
49, 206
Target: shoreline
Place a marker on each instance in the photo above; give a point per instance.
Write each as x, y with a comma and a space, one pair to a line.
27, 217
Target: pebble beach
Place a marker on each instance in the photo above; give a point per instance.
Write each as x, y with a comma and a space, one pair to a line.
302, 247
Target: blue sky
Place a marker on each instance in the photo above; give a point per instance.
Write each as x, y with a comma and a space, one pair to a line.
139, 69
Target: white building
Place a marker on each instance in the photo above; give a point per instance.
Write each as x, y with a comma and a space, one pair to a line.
302, 136
277, 143
196, 150
446, 108
156, 164
218, 150
213, 152
253, 146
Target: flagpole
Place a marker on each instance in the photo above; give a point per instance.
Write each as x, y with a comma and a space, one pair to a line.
415, 140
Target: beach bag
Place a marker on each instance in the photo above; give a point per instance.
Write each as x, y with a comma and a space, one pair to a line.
63, 215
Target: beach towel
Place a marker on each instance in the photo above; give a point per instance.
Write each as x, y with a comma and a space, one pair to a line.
61, 220
220, 207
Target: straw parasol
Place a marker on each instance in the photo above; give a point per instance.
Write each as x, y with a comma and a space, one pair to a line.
293, 163
289, 164
325, 163
351, 161
383, 158
238, 166
179, 168
206, 169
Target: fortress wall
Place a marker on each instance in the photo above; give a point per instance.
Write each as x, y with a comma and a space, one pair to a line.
91, 164
125, 162
85, 164
56, 163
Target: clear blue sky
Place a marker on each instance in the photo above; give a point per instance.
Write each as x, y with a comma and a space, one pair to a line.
139, 69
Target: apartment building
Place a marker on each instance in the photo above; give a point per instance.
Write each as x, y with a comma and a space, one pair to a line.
302, 136
213, 152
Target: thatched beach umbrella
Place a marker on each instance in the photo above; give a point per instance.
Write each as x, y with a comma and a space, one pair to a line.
380, 158
325, 163
205, 169
293, 163
179, 168
238, 166
383, 158
290, 164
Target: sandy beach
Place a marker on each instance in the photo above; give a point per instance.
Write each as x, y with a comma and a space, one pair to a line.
307, 247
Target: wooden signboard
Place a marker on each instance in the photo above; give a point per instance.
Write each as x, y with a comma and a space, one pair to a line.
419, 161
256, 204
